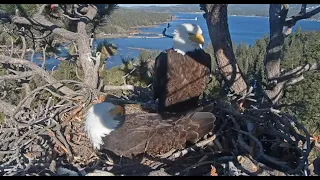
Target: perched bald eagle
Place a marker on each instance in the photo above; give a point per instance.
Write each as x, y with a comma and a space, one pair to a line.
134, 134
181, 73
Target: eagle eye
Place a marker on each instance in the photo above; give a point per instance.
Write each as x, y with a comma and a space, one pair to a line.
190, 34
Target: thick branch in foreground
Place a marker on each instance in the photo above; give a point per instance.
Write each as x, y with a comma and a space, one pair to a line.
37, 70
44, 23
217, 21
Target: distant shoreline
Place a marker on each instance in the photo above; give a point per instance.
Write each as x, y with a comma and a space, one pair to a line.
317, 20
135, 30
131, 33
141, 49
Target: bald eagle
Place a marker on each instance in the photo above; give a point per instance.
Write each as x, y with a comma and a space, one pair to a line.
129, 135
181, 73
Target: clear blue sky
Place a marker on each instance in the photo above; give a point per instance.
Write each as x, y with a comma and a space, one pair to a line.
130, 5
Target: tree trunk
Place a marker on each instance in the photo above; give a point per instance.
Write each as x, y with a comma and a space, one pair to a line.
274, 51
217, 21
91, 75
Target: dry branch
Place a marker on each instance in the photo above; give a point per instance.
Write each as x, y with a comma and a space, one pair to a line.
290, 22
24, 47
6, 108
297, 72
19, 75
124, 87
44, 23
36, 69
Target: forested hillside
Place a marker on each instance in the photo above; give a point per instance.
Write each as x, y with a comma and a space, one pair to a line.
233, 9
123, 20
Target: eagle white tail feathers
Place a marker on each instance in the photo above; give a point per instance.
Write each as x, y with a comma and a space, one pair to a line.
99, 123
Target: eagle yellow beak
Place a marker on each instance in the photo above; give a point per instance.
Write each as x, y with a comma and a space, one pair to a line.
198, 38
118, 110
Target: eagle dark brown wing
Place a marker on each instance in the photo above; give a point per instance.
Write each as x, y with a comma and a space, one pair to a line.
180, 79
148, 133
160, 78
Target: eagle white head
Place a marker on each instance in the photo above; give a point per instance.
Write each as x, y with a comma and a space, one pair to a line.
100, 121
187, 37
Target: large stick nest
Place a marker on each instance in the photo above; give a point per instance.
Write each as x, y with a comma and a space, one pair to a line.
48, 139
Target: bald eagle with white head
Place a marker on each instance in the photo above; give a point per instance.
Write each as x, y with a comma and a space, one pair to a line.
181, 74
129, 135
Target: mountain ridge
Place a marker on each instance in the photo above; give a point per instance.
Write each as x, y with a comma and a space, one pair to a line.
233, 9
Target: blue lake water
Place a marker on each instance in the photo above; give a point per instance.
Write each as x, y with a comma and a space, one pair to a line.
242, 29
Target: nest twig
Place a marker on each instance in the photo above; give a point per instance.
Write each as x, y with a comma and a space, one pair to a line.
39, 132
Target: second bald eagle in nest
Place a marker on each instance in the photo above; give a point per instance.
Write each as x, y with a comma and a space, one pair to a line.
182, 73
128, 135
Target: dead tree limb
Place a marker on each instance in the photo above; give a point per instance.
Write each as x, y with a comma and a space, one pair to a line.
217, 21
278, 23
290, 22
46, 24
297, 72
19, 75
42, 73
